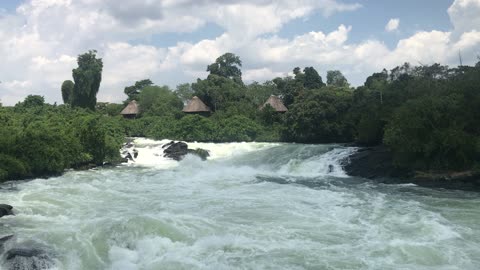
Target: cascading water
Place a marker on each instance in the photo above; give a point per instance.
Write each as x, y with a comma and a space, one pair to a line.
250, 206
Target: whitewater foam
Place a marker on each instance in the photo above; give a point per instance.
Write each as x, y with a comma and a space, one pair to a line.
216, 214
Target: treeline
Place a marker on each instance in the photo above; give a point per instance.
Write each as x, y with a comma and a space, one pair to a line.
427, 115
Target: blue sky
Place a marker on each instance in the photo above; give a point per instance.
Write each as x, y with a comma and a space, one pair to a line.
172, 42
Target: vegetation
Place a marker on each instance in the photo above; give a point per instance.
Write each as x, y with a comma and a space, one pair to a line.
427, 116
41, 140
87, 79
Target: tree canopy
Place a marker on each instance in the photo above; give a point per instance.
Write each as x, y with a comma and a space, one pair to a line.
87, 77
228, 66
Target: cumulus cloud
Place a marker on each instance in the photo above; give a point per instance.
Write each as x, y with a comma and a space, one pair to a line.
39, 43
392, 25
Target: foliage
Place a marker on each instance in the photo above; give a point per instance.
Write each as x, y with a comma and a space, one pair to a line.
87, 79
156, 100
336, 78
184, 91
31, 101
44, 140
227, 66
133, 91
67, 91
319, 117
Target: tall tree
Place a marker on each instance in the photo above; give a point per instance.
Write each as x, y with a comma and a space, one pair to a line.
134, 90
87, 79
228, 66
336, 78
67, 91
312, 79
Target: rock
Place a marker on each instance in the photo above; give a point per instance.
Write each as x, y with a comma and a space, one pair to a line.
168, 144
28, 259
373, 163
202, 153
176, 150
135, 153
6, 210
376, 163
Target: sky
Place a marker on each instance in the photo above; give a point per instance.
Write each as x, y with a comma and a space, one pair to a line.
173, 41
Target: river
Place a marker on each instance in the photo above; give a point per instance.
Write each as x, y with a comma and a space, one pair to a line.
250, 206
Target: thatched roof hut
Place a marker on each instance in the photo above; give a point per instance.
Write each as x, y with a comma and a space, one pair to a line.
196, 105
276, 104
131, 110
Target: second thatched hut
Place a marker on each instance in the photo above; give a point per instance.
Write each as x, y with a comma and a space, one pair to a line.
276, 103
131, 111
196, 105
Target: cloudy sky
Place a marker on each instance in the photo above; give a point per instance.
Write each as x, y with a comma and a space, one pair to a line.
172, 41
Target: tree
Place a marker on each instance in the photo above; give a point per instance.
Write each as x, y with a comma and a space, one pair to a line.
67, 91
134, 90
184, 91
161, 101
336, 78
87, 79
312, 79
228, 66
31, 101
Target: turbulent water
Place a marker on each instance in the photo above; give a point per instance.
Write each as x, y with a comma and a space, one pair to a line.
250, 206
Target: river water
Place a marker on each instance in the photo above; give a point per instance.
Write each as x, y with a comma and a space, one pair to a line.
250, 206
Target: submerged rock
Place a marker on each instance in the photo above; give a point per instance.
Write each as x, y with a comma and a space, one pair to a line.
202, 153
6, 210
28, 259
3, 240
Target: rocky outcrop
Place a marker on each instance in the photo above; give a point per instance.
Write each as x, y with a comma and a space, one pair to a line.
128, 152
376, 163
6, 210
178, 150
373, 163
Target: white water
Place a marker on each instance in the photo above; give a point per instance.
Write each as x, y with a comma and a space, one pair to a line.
251, 206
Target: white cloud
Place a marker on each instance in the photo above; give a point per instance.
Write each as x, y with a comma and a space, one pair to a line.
392, 25
40, 42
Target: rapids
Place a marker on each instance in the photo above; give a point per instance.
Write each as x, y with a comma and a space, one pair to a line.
250, 206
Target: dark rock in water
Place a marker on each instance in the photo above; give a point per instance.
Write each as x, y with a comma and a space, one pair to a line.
168, 144
135, 153
376, 163
202, 153
28, 259
372, 163
6, 210
176, 150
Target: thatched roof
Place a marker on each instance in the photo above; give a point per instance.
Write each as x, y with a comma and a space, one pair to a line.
131, 109
196, 105
276, 104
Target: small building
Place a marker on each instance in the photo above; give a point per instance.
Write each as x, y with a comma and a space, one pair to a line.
196, 105
276, 103
131, 111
